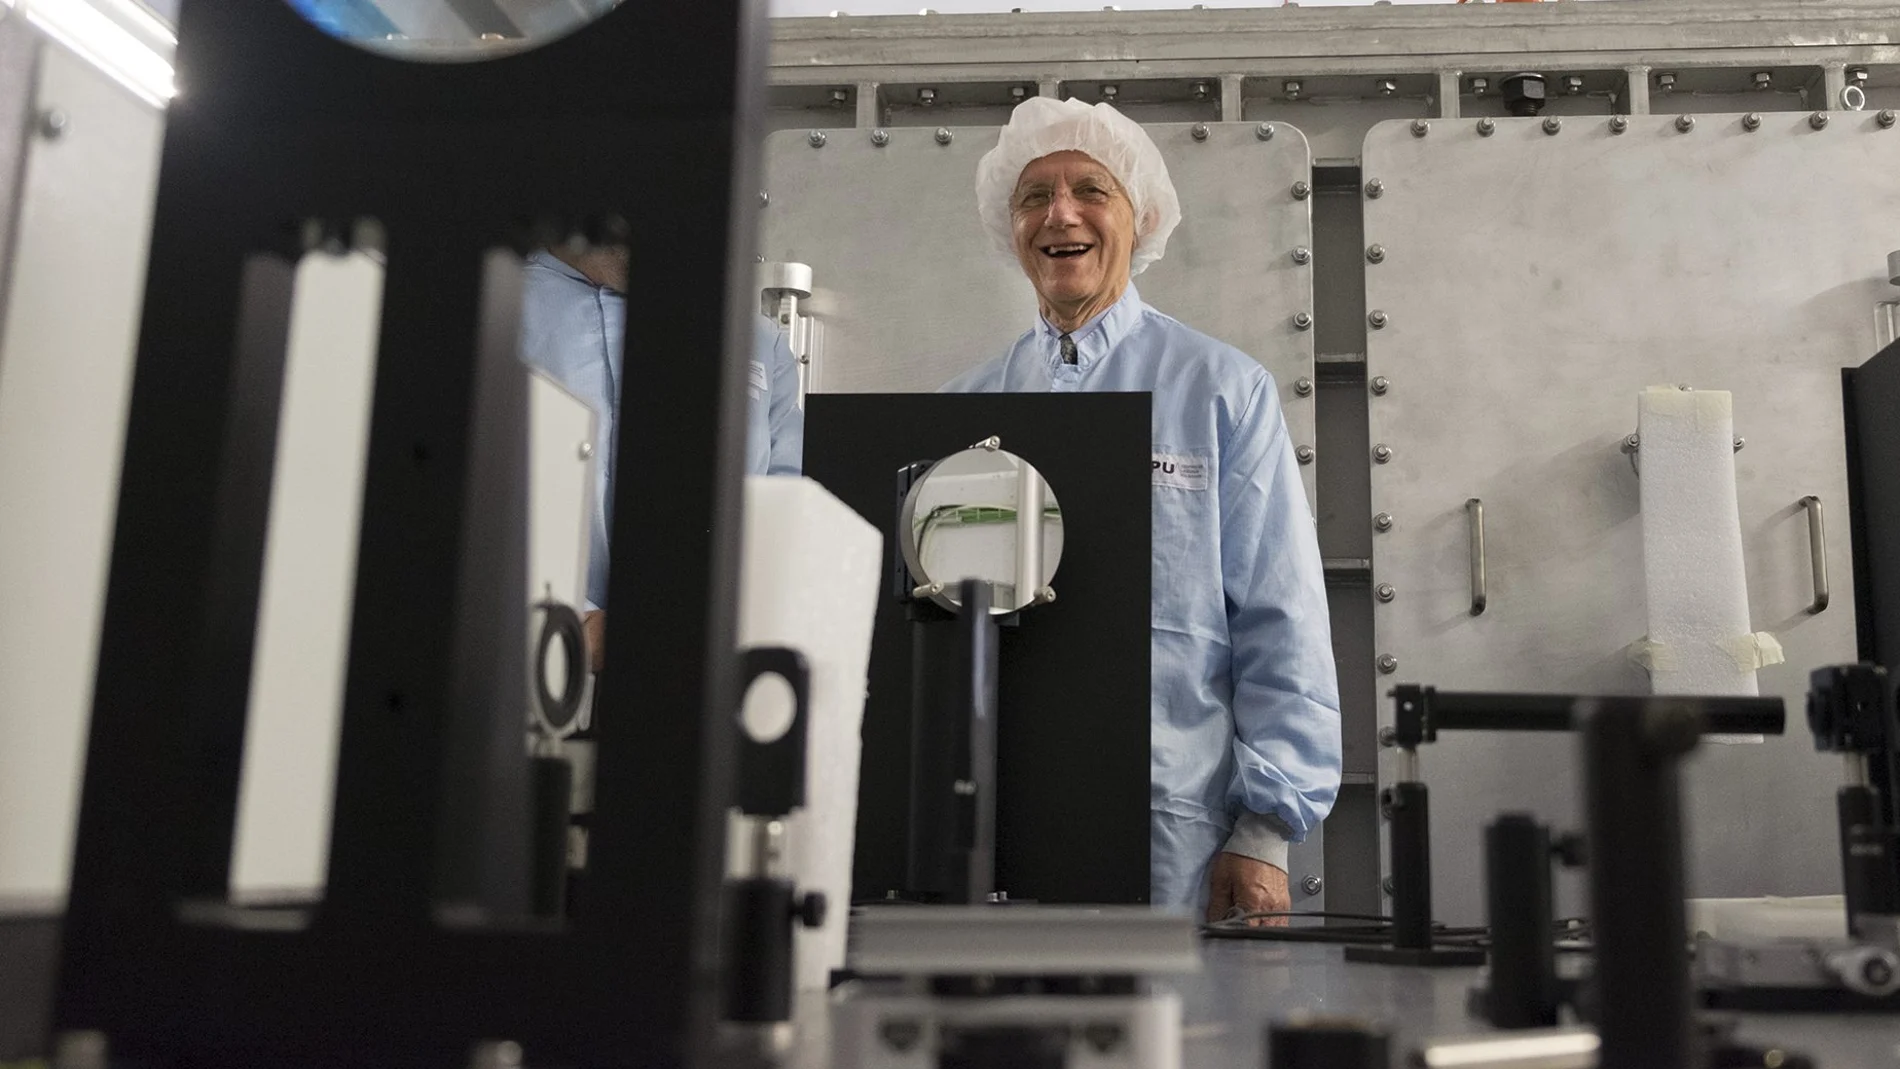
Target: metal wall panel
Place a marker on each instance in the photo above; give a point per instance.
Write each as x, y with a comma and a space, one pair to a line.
909, 291
1534, 284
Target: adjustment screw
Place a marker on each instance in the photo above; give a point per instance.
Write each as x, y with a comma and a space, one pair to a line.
1385, 592
1380, 384
944, 135
1302, 321
1199, 132
1552, 124
1302, 255
880, 138
1619, 124
1382, 453
816, 138
1375, 254
1487, 127
1382, 522
811, 910
1818, 120
1420, 128
1304, 454
1752, 121
1264, 131
1377, 318
1312, 885
1375, 189
1685, 123
1303, 386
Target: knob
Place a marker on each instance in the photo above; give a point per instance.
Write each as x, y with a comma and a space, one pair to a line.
810, 910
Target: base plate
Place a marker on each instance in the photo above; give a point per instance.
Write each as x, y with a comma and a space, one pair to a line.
1425, 956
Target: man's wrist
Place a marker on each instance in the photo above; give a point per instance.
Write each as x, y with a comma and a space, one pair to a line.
1261, 837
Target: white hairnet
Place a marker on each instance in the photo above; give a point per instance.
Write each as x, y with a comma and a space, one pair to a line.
1040, 126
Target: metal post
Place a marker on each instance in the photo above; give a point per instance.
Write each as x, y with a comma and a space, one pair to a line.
1632, 748
1450, 84
1029, 505
1636, 85
870, 114
1232, 103
1517, 884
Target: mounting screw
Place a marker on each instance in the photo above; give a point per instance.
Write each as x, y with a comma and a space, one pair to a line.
1303, 386
926, 97
1264, 131
764, 199
1301, 191
1302, 321
1312, 885
1385, 592
1552, 124
586, 450
1685, 123
1420, 128
1751, 122
1380, 384
964, 787
901, 1035
1388, 87
1375, 254
1110, 92
1818, 120
880, 138
1388, 664
1764, 80
1487, 127
840, 97
1666, 82
53, 124
1199, 131
1382, 522
1388, 736
1377, 318
1382, 453
1857, 76
1200, 90
1018, 93
1304, 454
944, 135
816, 138
1302, 255
1886, 118
811, 909
1619, 124
1573, 84
1739, 443
1291, 89
1104, 1037
1387, 886
1570, 849
1375, 189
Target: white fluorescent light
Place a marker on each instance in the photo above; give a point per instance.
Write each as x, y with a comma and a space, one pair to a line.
106, 45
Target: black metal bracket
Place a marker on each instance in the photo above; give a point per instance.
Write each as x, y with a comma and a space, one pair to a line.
772, 773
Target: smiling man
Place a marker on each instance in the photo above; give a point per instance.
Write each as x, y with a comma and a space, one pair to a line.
1244, 700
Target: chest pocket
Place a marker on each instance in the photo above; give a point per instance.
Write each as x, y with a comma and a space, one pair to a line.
758, 382
1186, 553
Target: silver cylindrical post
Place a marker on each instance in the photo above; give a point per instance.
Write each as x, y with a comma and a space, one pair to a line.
1029, 504
1854, 766
1408, 765
1555, 1049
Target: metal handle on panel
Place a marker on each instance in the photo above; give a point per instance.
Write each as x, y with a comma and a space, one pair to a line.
1474, 510
1817, 550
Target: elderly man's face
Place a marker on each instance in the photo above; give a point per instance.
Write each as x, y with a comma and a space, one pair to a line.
1074, 232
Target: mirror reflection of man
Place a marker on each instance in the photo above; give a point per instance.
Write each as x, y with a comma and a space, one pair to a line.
573, 320
1244, 697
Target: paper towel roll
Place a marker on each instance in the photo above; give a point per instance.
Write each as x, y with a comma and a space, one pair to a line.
809, 580
1692, 545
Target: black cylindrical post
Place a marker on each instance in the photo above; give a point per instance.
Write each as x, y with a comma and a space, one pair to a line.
759, 963
1643, 990
1522, 991
1409, 809
553, 787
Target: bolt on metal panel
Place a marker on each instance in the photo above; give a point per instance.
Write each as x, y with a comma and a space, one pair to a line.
911, 293
1729, 259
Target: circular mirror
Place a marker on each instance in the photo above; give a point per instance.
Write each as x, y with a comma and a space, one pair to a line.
987, 514
450, 31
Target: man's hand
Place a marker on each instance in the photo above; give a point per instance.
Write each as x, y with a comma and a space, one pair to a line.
594, 626
1251, 886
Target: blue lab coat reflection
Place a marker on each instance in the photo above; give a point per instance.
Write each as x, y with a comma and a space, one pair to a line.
572, 330
1244, 699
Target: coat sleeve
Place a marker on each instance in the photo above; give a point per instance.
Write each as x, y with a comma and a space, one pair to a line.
1286, 690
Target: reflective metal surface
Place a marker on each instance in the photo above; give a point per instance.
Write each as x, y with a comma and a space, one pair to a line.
966, 519
450, 30
1535, 285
